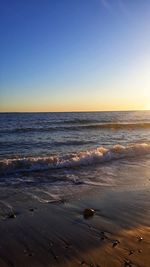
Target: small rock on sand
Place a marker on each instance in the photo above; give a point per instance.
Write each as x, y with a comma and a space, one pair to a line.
11, 216
115, 243
88, 213
131, 252
127, 263
31, 209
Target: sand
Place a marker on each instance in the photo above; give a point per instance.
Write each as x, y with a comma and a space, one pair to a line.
57, 234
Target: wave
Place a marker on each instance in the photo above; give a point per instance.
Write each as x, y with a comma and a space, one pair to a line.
115, 126
89, 157
94, 126
81, 121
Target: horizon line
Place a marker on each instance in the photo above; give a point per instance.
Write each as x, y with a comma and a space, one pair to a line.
88, 111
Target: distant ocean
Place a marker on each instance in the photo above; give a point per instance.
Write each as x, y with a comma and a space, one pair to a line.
52, 154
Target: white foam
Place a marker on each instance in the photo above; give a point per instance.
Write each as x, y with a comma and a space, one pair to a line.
84, 158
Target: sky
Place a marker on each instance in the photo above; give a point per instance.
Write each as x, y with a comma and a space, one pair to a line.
74, 55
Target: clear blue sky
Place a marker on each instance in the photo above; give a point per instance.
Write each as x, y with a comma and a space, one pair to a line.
63, 55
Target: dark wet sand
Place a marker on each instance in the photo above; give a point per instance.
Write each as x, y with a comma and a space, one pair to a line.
57, 234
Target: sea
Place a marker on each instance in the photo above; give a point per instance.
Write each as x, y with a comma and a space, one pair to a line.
55, 156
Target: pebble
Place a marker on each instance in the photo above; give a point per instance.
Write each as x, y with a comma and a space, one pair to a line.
11, 216
131, 252
31, 209
115, 243
103, 236
140, 238
88, 213
30, 254
127, 263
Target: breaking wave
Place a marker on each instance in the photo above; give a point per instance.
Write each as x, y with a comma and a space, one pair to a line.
89, 157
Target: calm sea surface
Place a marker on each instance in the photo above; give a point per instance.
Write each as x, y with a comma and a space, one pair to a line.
52, 154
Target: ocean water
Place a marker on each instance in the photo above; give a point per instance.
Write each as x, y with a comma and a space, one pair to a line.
49, 156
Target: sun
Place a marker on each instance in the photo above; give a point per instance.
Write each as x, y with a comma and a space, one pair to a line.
147, 107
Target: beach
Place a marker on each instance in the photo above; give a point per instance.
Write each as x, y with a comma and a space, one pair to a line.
55, 233
44, 193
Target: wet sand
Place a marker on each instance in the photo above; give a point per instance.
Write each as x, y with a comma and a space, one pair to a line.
57, 234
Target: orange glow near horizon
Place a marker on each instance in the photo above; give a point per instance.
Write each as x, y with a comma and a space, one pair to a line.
90, 100
74, 108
